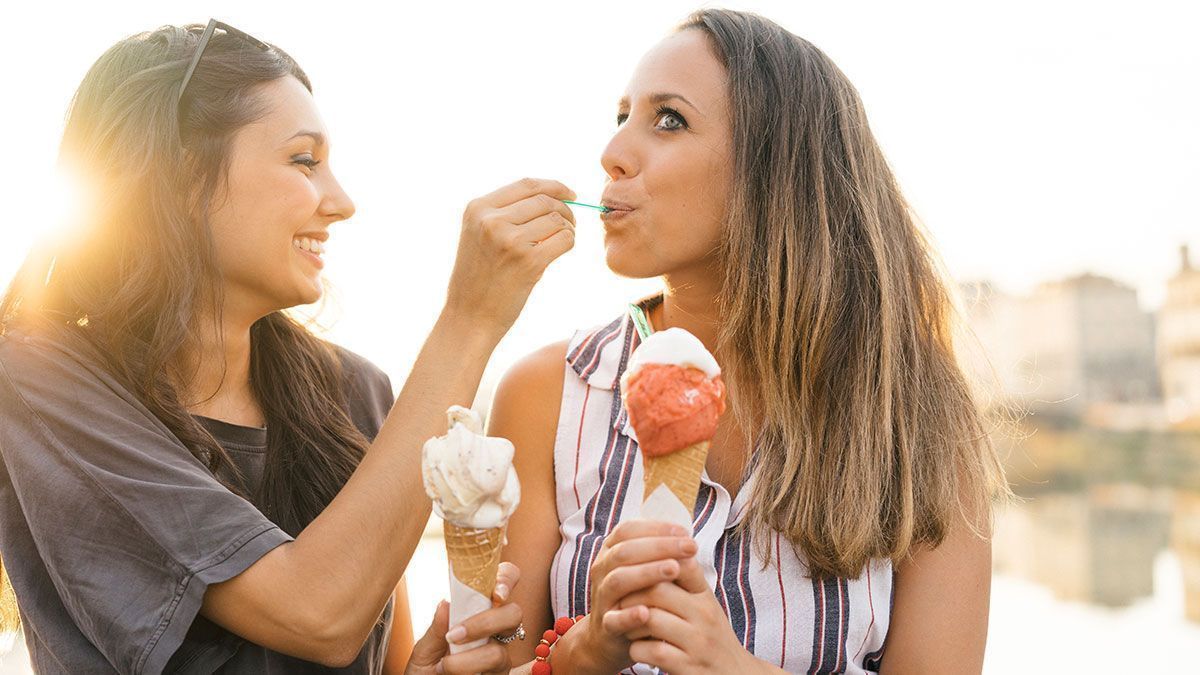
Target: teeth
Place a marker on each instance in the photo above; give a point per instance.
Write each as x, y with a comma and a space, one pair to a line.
311, 245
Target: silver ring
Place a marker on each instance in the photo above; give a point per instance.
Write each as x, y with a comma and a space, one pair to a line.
518, 634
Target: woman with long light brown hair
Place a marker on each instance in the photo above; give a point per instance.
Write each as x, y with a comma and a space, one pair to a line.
844, 514
191, 481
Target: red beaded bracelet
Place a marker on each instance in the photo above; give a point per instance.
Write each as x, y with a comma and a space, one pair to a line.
541, 662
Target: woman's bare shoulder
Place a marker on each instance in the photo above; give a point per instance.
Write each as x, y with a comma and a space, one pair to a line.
525, 410
539, 374
527, 402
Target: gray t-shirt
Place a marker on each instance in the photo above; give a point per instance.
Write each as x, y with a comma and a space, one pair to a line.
111, 530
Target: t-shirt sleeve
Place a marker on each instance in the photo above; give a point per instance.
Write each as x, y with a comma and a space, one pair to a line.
368, 390
129, 525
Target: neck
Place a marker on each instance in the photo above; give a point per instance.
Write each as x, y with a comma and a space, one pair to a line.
689, 302
219, 386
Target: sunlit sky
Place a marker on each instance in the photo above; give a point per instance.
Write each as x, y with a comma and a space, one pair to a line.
1035, 139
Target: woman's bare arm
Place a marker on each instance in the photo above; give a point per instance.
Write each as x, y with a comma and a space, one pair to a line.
940, 618
318, 597
525, 411
400, 644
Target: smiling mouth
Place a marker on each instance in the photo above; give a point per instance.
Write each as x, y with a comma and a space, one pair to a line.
309, 245
311, 250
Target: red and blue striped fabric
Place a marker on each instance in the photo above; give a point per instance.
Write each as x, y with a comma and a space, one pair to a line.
777, 611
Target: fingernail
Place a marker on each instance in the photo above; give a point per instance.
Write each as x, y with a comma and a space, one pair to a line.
502, 591
666, 569
457, 633
679, 531
687, 547
439, 669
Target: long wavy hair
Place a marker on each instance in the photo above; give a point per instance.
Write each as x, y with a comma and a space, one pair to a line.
133, 285
837, 322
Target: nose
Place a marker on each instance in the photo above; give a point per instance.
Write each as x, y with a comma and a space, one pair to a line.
336, 204
619, 158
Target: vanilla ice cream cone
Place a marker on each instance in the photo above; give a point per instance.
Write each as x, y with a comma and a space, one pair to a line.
474, 488
474, 555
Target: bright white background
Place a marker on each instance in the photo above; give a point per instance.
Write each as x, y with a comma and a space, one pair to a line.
1035, 139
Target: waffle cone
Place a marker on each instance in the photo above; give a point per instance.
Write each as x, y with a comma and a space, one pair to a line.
474, 555
679, 471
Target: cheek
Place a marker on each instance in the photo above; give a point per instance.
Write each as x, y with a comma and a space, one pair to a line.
281, 203
689, 191
255, 225
285, 204
686, 186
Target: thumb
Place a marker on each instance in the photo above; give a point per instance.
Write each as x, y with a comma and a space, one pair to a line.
432, 646
691, 576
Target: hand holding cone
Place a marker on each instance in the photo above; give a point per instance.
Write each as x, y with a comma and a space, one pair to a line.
474, 489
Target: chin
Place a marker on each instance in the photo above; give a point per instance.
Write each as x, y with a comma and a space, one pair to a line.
631, 265
307, 293
312, 296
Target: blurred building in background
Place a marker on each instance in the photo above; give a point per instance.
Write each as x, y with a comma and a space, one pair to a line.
1179, 345
1091, 343
994, 354
1079, 348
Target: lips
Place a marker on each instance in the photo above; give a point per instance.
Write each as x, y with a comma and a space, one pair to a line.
615, 205
319, 235
312, 258
617, 210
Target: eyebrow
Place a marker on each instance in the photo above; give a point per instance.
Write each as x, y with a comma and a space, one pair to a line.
318, 137
657, 98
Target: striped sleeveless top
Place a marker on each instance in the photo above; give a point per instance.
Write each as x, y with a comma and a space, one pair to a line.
780, 614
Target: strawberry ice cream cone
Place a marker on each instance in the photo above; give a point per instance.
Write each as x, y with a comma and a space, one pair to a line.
674, 395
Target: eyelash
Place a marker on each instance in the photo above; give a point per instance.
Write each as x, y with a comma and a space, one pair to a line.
305, 161
664, 110
659, 112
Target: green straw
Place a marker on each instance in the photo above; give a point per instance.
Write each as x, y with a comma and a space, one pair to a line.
640, 322
601, 209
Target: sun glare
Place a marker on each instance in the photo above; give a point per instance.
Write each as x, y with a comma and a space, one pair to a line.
63, 197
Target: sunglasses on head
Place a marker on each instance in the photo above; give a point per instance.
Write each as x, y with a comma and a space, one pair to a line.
212, 26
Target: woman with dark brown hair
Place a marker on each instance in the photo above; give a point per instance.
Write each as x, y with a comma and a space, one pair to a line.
191, 481
844, 514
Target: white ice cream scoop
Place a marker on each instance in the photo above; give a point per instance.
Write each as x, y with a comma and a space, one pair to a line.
470, 476
671, 347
